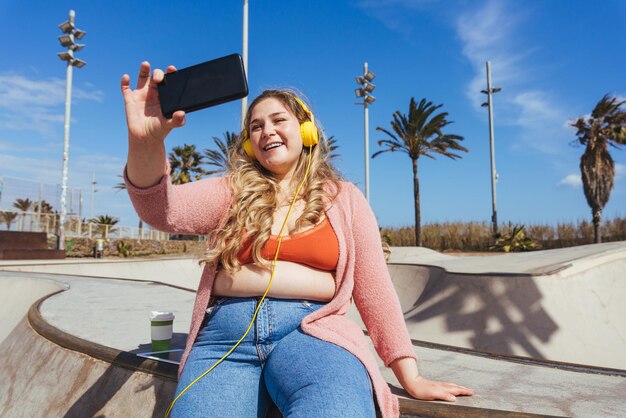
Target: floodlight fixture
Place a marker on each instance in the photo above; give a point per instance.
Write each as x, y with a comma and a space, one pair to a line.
70, 33
66, 40
364, 91
496, 90
78, 63
66, 27
65, 56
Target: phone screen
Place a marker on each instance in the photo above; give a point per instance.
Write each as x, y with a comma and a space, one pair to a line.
203, 85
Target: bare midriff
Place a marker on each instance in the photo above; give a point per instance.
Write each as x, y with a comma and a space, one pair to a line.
291, 280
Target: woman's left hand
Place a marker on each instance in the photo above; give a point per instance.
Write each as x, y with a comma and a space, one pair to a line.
430, 390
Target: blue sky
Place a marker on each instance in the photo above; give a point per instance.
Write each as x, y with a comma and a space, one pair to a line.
553, 60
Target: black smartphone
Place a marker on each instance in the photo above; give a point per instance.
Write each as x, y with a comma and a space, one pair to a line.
203, 85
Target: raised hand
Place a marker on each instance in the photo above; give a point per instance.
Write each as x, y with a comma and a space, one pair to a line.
143, 110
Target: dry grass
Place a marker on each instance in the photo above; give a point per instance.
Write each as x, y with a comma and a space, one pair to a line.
477, 236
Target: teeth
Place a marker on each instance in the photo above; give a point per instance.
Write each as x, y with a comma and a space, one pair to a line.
271, 146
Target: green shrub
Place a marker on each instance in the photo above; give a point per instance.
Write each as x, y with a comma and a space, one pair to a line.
124, 248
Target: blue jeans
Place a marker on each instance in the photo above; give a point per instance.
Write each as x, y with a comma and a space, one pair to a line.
304, 376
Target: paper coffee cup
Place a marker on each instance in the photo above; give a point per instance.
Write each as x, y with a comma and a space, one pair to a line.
161, 326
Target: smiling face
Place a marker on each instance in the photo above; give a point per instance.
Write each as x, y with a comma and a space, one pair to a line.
275, 136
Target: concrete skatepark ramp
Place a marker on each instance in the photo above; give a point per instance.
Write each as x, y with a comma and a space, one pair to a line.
571, 309
74, 353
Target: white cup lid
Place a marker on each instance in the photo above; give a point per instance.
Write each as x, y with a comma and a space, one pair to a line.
162, 316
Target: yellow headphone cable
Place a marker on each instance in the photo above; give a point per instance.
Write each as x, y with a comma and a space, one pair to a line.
280, 239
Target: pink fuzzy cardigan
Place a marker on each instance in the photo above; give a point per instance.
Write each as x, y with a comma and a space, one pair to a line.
198, 207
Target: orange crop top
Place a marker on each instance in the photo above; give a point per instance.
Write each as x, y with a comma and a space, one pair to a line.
317, 247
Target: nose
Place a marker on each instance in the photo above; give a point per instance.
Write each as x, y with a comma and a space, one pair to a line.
268, 130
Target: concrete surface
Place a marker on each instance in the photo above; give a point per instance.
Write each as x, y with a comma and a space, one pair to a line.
526, 263
42, 379
16, 296
563, 305
177, 271
523, 308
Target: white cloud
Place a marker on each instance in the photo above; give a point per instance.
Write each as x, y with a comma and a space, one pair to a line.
491, 33
572, 180
36, 104
620, 171
487, 34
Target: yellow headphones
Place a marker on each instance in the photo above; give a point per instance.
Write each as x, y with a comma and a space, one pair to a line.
308, 132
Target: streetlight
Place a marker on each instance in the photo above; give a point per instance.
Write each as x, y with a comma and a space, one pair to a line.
93, 190
364, 91
494, 176
71, 33
244, 101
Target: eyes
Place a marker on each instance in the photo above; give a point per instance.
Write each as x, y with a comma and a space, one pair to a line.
256, 127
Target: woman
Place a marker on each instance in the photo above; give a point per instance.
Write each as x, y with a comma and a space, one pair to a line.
304, 354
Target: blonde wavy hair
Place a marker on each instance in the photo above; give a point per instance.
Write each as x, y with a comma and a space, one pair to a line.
255, 191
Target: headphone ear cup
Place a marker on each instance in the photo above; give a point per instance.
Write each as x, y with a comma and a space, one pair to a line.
247, 147
308, 132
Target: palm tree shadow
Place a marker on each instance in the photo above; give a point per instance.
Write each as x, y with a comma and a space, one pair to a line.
108, 385
502, 313
115, 377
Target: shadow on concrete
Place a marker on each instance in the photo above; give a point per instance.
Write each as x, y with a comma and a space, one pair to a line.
501, 312
107, 386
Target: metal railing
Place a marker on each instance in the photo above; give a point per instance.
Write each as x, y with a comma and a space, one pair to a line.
74, 226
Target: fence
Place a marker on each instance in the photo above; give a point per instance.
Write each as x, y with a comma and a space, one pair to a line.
48, 195
27, 205
74, 226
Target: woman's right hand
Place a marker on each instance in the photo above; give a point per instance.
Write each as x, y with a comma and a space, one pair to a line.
143, 110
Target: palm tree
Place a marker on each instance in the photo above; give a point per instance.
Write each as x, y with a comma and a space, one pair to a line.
8, 218
185, 161
23, 205
219, 158
606, 126
105, 224
332, 147
45, 206
46, 209
121, 185
418, 135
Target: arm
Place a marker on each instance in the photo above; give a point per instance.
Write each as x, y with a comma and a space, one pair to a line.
374, 294
377, 301
193, 208
147, 127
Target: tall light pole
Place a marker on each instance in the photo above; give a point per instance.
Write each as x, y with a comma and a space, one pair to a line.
494, 176
70, 34
93, 190
364, 91
244, 101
